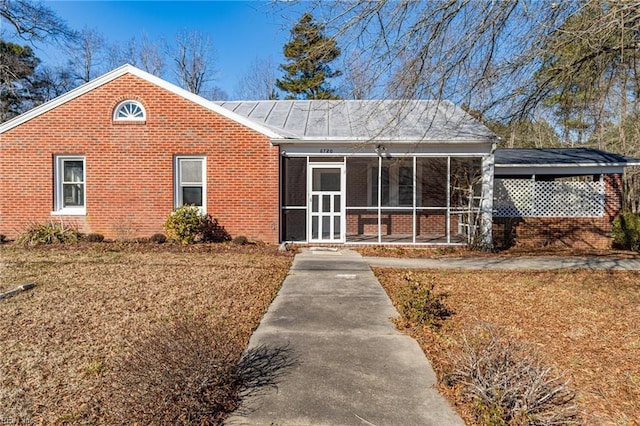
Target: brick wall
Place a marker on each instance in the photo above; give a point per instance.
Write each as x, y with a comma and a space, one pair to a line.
584, 233
365, 222
129, 166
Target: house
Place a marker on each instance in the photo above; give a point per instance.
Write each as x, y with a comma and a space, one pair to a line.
118, 154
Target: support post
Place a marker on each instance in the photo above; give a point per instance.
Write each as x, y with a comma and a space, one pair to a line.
486, 203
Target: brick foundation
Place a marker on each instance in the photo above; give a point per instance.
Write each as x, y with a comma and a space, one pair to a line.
365, 222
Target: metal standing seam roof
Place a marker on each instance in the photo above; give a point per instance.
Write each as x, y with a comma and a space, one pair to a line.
540, 157
364, 120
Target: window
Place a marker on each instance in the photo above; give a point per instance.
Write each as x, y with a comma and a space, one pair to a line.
129, 111
190, 175
374, 186
397, 186
405, 186
70, 185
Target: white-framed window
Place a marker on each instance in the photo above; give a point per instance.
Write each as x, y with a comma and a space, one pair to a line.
190, 180
397, 185
70, 184
129, 111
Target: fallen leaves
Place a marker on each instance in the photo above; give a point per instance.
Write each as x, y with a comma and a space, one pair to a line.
59, 338
585, 322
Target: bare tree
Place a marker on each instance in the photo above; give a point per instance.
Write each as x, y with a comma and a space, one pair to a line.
259, 81
151, 57
86, 54
55, 82
357, 83
144, 54
475, 52
32, 20
193, 60
215, 93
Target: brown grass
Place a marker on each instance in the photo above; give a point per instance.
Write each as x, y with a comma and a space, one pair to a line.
59, 339
585, 322
440, 252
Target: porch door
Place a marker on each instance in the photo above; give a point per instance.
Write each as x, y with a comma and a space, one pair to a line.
326, 202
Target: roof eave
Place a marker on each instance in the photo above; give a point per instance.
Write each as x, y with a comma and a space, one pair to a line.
576, 165
130, 69
402, 141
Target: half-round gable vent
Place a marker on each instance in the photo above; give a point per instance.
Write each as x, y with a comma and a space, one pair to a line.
129, 111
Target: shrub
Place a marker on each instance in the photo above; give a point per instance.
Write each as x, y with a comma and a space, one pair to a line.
49, 233
240, 240
183, 372
95, 238
187, 225
420, 305
625, 231
213, 232
507, 382
158, 238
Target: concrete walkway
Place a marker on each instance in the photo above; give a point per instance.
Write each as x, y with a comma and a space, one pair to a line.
509, 263
352, 366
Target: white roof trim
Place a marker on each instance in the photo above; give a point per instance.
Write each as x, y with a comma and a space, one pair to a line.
395, 141
575, 171
130, 69
571, 165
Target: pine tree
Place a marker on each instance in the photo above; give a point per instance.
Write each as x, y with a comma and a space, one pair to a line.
17, 71
309, 54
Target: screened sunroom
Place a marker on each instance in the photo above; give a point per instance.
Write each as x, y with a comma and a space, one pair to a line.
406, 199
379, 172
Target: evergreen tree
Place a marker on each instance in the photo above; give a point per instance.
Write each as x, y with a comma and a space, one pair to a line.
17, 71
309, 54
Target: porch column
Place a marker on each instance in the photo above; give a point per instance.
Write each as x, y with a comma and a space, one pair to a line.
486, 202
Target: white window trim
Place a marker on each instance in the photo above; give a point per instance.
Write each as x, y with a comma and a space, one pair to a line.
120, 105
58, 187
394, 184
177, 196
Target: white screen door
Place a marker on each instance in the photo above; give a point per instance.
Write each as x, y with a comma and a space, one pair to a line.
326, 202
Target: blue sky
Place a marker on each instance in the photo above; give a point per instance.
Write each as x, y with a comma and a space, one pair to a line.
240, 31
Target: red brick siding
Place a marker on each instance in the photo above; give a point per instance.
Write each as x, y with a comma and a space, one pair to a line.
582, 233
129, 166
365, 222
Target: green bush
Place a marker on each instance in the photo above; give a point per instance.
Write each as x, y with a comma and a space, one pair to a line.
187, 225
420, 305
49, 233
625, 231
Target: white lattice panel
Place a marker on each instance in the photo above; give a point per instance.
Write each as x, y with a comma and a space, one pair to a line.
512, 197
526, 198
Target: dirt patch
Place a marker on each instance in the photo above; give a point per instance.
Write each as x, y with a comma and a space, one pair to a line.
59, 339
584, 322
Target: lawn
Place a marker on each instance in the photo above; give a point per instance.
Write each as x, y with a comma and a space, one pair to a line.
586, 323
59, 340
